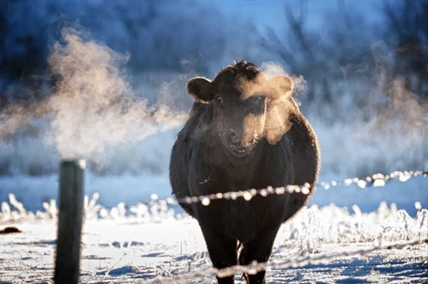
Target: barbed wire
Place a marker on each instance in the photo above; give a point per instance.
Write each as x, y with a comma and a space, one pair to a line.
323, 258
375, 180
246, 194
255, 267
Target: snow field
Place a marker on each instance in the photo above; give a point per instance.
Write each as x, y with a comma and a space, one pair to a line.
155, 242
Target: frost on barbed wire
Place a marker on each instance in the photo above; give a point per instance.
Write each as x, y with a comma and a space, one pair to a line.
375, 180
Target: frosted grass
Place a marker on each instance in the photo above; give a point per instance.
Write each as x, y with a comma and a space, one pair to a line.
312, 225
156, 240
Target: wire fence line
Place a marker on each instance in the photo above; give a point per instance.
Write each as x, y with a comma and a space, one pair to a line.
255, 267
307, 259
375, 180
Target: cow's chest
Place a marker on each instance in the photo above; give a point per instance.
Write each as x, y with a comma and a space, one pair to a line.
224, 177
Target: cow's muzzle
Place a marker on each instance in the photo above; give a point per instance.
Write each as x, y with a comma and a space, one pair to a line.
236, 144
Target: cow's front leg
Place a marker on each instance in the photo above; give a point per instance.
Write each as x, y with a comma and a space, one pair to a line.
258, 249
222, 251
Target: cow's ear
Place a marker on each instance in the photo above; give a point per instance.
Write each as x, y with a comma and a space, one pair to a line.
283, 85
200, 89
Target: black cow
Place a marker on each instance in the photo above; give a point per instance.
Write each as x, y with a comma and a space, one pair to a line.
244, 132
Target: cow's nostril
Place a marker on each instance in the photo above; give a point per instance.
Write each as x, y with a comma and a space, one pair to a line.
232, 133
234, 137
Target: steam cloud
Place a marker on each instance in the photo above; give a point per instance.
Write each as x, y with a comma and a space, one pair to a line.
271, 69
93, 107
275, 122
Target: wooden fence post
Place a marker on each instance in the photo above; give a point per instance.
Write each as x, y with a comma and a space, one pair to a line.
67, 264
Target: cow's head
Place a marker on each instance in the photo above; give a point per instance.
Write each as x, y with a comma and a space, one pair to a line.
248, 107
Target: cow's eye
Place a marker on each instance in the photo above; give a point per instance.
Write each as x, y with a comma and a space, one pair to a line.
219, 99
256, 99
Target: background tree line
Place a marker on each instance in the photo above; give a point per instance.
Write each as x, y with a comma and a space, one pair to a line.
361, 77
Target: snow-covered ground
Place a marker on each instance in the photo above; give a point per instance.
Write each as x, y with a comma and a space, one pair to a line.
155, 241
